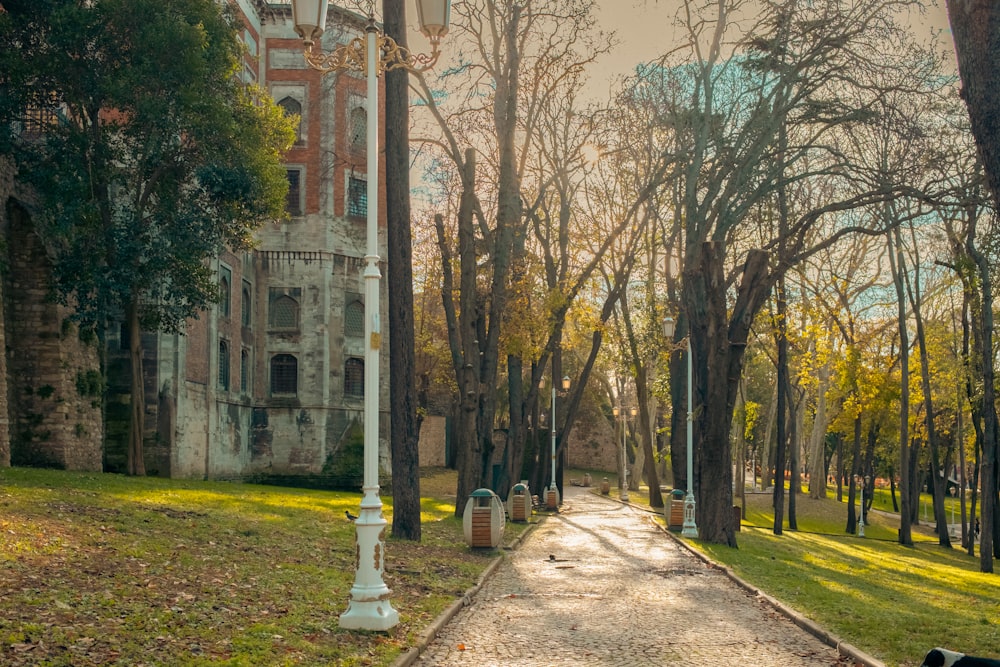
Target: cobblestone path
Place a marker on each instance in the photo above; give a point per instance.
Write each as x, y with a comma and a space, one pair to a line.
599, 584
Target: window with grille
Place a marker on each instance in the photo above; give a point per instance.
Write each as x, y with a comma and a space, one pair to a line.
284, 374
244, 371
354, 377
357, 197
359, 129
354, 319
223, 365
225, 298
293, 201
245, 309
285, 313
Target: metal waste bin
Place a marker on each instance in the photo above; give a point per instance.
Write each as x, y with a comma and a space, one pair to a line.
483, 520
675, 511
519, 503
605, 487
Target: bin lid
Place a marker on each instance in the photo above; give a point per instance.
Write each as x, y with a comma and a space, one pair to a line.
482, 493
677, 493
520, 488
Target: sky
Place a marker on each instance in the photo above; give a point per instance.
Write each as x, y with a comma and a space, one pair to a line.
645, 30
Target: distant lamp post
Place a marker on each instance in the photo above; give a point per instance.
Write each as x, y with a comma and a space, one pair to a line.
553, 494
624, 478
862, 482
369, 607
690, 527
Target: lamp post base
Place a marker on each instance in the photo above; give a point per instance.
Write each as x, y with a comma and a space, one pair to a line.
369, 607
552, 499
690, 528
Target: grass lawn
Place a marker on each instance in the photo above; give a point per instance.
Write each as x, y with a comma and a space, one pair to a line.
892, 602
111, 570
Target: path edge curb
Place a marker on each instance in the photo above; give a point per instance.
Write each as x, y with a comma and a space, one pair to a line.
430, 632
859, 657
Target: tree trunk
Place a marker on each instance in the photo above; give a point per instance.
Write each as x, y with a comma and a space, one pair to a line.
781, 416
975, 27
817, 440
795, 480
404, 435
896, 263
135, 460
718, 343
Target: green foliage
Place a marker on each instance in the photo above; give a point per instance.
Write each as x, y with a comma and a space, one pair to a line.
154, 156
347, 465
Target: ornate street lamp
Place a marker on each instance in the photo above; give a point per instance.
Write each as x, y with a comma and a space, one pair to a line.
369, 607
690, 528
552, 498
624, 478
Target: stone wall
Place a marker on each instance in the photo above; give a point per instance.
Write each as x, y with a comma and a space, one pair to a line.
53, 379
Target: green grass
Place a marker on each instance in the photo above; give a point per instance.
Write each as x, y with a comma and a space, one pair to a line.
112, 570
892, 602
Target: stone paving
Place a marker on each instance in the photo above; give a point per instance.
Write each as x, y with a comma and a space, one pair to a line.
600, 584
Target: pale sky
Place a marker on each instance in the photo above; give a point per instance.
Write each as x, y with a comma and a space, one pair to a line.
645, 30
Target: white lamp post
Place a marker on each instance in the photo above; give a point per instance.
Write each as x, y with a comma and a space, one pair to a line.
861, 516
690, 527
369, 607
553, 491
624, 479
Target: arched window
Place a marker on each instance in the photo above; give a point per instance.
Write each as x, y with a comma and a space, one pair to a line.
284, 374
293, 108
223, 365
359, 129
245, 309
285, 313
225, 299
354, 377
354, 319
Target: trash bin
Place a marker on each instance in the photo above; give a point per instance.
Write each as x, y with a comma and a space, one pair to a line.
605, 487
587, 479
675, 513
737, 516
483, 520
519, 503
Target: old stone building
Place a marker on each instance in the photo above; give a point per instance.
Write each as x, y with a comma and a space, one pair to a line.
268, 382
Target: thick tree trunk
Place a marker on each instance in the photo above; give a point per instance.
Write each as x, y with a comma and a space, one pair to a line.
975, 27
135, 461
718, 342
404, 434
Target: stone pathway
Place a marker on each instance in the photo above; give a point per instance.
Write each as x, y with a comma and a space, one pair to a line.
600, 584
